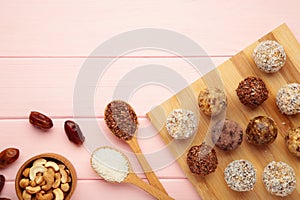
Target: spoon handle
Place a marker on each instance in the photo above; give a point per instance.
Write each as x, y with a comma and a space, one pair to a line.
151, 176
135, 180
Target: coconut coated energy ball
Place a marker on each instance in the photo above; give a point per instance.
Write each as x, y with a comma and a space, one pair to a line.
288, 99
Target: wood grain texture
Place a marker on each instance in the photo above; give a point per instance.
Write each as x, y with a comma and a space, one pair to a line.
75, 28
48, 84
96, 189
232, 72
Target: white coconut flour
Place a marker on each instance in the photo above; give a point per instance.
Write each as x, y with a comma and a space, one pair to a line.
110, 164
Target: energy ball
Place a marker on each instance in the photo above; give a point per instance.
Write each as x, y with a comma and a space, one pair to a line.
227, 134
288, 99
261, 130
279, 178
181, 124
240, 175
202, 159
252, 92
212, 101
269, 56
293, 141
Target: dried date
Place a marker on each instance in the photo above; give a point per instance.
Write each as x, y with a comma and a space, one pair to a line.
2, 182
40, 120
3, 198
73, 132
8, 156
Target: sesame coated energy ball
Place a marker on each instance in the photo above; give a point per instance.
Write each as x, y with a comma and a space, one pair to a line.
240, 175
288, 99
269, 56
261, 130
252, 91
292, 140
181, 124
202, 159
212, 101
279, 178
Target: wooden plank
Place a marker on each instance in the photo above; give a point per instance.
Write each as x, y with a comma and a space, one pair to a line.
48, 84
232, 72
31, 141
96, 189
32, 29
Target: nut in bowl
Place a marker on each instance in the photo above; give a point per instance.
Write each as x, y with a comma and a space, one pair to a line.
45, 177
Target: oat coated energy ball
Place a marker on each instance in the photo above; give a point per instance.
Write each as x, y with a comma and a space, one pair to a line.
240, 175
279, 178
288, 99
261, 130
227, 134
293, 141
269, 56
181, 124
212, 101
202, 159
252, 92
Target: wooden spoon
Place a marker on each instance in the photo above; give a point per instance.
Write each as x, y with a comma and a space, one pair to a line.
121, 119
113, 166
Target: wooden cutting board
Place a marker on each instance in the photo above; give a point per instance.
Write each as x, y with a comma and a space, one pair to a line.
232, 72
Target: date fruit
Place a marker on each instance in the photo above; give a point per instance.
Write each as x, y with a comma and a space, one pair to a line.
40, 120
8, 156
3, 198
2, 182
73, 132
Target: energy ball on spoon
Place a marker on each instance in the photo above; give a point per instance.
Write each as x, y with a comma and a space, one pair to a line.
181, 124
288, 99
252, 91
269, 56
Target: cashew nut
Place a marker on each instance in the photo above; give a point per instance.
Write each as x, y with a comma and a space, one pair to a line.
24, 182
33, 190
26, 172
53, 165
26, 195
58, 193
57, 180
39, 162
34, 170
65, 187
49, 178
39, 179
42, 195
64, 175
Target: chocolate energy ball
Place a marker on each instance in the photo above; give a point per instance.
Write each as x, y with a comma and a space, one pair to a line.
202, 160
227, 134
288, 99
261, 130
181, 124
293, 141
212, 101
269, 56
252, 92
279, 178
240, 175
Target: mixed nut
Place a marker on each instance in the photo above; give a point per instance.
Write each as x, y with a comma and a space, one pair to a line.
45, 180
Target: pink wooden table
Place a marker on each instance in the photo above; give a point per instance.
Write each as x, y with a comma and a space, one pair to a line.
43, 45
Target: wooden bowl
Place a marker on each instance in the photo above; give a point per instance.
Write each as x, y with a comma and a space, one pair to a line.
49, 157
